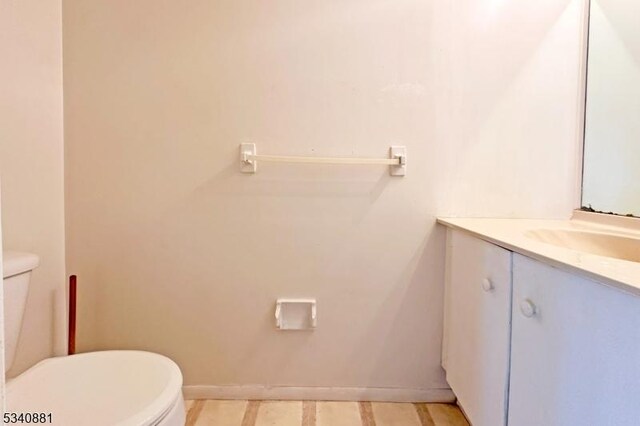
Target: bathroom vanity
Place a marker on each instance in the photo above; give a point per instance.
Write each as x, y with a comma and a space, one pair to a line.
541, 328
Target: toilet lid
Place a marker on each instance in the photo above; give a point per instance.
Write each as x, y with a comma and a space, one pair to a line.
98, 388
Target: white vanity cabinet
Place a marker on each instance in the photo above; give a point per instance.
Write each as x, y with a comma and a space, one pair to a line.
528, 344
477, 326
575, 352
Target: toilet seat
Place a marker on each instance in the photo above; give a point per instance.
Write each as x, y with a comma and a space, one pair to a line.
125, 388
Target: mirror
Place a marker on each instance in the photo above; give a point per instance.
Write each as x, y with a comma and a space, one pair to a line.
611, 175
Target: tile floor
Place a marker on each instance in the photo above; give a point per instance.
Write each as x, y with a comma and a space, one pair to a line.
312, 413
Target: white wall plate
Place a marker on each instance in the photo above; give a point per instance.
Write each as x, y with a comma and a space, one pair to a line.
296, 314
246, 165
398, 152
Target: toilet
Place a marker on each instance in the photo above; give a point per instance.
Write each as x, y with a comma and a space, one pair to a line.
124, 388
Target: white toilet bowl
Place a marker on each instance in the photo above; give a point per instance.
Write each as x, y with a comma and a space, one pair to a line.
124, 388
101, 388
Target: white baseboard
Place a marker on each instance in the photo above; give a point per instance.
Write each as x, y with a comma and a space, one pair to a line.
317, 393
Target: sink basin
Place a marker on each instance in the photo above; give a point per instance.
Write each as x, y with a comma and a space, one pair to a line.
609, 245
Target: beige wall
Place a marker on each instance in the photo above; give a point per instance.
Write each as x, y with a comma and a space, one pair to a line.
31, 160
177, 252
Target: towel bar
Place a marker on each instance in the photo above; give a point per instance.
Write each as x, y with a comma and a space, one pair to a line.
397, 160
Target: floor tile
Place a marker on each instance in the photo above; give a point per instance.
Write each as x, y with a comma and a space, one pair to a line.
251, 413
194, 412
221, 413
389, 414
338, 414
279, 413
425, 416
309, 413
366, 414
447, 415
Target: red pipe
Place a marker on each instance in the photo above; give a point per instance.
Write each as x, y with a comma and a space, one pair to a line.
72, 315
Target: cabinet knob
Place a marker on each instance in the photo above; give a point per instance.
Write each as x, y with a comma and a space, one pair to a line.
528, 308
487, 285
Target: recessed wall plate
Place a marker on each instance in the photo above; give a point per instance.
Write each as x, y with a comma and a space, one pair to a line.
296, 314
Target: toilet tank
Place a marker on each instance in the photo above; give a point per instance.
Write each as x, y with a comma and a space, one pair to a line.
17, 269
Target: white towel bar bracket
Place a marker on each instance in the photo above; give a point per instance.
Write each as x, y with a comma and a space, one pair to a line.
397, 160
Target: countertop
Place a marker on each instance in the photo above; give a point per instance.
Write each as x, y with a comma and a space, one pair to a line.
511, 235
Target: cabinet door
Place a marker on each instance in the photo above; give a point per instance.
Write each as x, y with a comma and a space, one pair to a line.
478, 310
575, 355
